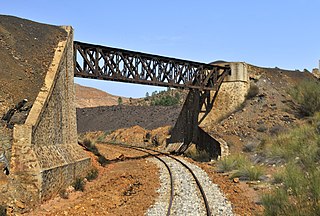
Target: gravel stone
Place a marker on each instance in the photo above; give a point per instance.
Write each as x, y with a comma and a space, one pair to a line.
187, 197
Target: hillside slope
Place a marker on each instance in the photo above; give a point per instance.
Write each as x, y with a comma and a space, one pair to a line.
268, 110
92, 97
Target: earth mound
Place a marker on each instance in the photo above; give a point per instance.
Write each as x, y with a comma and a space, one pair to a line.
91, 97
26, 51
110, 118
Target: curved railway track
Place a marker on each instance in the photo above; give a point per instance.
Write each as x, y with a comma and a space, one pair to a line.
148, 151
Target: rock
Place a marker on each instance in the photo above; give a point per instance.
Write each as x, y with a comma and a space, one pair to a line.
70, 189
20, 204
236, 180
120, 157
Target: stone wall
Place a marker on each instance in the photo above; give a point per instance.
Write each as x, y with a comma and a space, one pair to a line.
193, 126
45, 154
231, 95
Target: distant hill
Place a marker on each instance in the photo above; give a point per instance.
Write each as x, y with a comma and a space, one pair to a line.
91, 97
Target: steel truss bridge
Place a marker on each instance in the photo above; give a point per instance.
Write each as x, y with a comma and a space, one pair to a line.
106, 63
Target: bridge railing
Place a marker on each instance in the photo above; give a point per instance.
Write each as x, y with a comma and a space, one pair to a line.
101, 62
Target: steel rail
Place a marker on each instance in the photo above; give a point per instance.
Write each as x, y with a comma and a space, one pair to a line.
195, 178
205, 200
160, 159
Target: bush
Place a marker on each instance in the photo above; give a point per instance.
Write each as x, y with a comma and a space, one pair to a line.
79, 184
64, 194
249, 147
249, 172
307, 95
232, 162
299, 193
165, 98
92, 174
90, 146
3, 210
198, 155
102, 160
300, 142
253, 91
243, 168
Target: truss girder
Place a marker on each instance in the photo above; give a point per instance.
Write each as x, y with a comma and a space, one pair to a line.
100, 62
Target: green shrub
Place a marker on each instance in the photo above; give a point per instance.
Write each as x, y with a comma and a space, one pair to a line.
64, 194
300, 142
165, 98
275, 203
103, 136
307, 95
92, 174
79, 184
3, 210
249, 172
198, 155
232, 162
278, 177
242, 167
299, 193
102, 160
88, 143
253, 91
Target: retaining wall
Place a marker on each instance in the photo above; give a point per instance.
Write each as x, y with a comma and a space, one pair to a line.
231, 95
45, 154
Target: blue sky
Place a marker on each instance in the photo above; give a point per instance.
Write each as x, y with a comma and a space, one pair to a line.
282, 33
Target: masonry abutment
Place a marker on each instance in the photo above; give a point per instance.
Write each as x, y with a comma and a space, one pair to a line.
45, 155
193, 126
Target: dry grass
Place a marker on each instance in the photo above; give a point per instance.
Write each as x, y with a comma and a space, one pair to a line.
197, 155
241, 166
299, 190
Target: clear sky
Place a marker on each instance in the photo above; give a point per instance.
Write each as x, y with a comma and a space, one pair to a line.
269, 33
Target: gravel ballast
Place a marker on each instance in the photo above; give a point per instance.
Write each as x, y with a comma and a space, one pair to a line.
187, 197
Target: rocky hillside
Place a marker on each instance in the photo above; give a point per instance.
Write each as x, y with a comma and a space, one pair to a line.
268, 110
92, 97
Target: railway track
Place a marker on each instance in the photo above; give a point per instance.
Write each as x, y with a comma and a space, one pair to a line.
157, 155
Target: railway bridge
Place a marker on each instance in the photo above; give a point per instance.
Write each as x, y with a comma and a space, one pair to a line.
107, 63
43, 152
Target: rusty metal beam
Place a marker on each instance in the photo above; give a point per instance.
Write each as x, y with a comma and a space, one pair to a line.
101, 62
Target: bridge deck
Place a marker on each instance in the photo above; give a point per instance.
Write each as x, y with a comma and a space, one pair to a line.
101, 62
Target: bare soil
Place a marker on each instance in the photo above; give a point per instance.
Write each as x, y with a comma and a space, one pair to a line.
111, 118
128, 186
122, 188
26, 51
91, 97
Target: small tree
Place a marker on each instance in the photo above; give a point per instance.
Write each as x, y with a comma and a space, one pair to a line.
119, 101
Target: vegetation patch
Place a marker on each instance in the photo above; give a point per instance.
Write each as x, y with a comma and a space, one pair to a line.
79, 184
92, 174
298, 190
164, 98
253, 91
89, 145
64, 194
3, 210
307, 95
241, 167
198, 155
